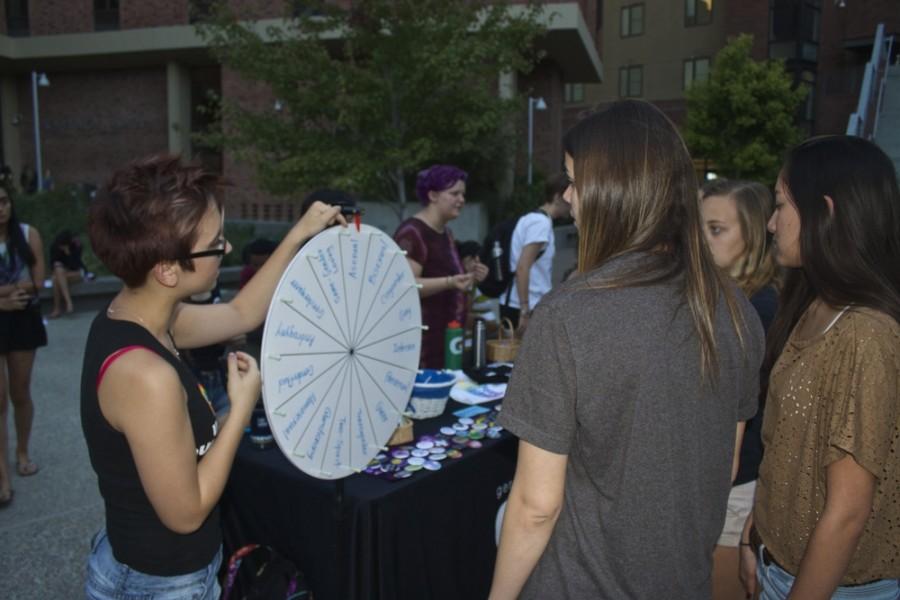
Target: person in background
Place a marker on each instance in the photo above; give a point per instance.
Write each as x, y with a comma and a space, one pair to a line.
21, 334
328, 196
632, 383
67, 268
469, 253
161, 457
734, 215
254, 256
6, 178
28, 180
826, 519
208, 362
531, 253
47, 184
432, 256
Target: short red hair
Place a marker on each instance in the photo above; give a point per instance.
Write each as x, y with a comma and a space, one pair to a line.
148, 212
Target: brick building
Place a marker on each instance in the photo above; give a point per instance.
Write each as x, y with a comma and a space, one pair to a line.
656, 49
127, 76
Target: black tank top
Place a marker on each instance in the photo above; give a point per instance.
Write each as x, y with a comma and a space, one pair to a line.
137, 536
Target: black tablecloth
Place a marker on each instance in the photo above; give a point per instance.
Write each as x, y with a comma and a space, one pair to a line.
429, 536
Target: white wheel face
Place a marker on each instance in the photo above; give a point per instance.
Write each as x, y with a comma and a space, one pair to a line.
340, 350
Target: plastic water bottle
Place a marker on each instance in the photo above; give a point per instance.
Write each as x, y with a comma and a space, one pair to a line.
497, 256
453, 346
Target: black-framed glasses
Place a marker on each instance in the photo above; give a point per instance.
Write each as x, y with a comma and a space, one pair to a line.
211, 252
202, 253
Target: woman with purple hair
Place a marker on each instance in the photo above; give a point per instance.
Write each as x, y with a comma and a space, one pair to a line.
431, 252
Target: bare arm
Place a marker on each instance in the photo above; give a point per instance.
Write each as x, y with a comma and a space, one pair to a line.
141, 396
535, 502
747, 559
435, 285
850, 490
38, 273
529, 256
738, 440
16, 300
39, 270
196, 325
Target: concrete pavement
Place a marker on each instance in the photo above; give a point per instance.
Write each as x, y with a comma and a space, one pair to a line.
45, 533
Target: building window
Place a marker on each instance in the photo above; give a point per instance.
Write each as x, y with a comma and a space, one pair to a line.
695, 69
808, 80
106, 15
697, 12
201, 11
794, 29
574, 93
303, 8
631, 81
632, 22
17, 18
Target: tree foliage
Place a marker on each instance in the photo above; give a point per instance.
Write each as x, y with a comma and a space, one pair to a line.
370, 94
743, 117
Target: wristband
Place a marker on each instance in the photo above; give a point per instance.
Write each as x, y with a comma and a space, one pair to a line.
748, 544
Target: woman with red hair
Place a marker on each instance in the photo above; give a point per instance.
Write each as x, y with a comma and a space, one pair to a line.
161, 458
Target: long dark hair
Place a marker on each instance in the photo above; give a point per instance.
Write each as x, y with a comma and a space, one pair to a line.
637, 192
16, 244
850, 255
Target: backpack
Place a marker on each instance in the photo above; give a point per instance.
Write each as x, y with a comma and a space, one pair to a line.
500, 278
257, 572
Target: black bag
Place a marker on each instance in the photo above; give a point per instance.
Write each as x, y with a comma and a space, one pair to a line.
257, 572
499, 277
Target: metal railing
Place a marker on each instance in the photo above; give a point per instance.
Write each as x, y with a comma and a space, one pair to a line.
864, 122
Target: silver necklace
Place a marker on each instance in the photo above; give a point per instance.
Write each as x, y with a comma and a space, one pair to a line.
119, 314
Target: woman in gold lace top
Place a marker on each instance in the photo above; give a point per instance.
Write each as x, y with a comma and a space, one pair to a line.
826, 520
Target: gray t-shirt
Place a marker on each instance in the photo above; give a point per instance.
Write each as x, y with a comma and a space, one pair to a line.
611, 378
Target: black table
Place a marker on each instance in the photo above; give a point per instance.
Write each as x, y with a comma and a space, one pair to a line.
429, 536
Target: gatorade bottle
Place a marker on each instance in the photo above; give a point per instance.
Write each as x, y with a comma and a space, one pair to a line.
453, 346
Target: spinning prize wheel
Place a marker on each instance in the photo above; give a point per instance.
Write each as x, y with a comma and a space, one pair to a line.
340, 350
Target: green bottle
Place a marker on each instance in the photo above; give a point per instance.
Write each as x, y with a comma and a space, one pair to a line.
453, 346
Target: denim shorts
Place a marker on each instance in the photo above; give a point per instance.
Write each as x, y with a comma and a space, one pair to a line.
108, 579
776, 584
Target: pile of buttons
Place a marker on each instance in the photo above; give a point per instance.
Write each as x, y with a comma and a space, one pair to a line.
429, 452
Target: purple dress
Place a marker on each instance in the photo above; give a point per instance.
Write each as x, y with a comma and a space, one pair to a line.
436, 252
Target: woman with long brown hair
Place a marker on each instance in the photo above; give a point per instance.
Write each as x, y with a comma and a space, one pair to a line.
734, 214
826, 518
21, 334
631, 385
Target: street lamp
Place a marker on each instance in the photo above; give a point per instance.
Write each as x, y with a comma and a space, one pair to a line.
38, 80
533, 104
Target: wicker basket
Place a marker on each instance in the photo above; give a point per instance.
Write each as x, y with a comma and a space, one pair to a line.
429, 398
503, 349
426, 408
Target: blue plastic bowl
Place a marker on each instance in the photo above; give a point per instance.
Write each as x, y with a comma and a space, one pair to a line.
433, 384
